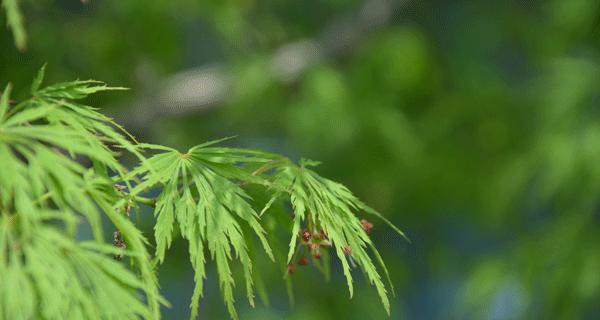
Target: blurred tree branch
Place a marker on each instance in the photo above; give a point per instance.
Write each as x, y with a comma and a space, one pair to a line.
204, 87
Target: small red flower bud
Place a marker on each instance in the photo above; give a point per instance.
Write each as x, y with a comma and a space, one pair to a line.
347, 250
305, 234
291, 268
318, 255
366, 225
303, 261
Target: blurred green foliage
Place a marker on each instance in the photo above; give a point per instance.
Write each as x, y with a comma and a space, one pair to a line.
474, 126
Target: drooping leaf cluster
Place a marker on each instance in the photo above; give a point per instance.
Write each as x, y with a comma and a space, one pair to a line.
200, 199
60, 172
46, 192
329, 207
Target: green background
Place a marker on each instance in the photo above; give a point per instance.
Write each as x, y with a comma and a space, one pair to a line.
473, 126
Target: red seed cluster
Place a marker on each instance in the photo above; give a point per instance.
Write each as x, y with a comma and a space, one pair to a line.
314, 249
313, 240
303, 261
366, 225
305, 234
119, 243
291, 268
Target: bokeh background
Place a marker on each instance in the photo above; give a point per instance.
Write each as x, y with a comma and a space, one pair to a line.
473, 125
